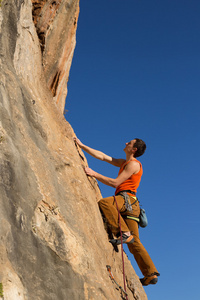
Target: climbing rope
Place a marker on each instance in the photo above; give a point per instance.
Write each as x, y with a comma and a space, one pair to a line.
122, 250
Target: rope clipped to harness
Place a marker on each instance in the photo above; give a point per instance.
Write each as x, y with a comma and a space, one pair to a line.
124, 278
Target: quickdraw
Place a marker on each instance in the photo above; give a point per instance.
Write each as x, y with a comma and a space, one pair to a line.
113, 279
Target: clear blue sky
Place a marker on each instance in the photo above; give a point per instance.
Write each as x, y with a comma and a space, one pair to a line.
135, 73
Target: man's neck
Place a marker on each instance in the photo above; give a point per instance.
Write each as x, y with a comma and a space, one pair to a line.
130, 157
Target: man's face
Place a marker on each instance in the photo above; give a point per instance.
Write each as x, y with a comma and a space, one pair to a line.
129, 146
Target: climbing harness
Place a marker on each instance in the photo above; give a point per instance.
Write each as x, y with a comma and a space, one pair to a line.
113, 279
142, 219
121, 249
129, 204
127, 201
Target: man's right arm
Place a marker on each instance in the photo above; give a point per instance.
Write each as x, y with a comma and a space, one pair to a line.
100, 155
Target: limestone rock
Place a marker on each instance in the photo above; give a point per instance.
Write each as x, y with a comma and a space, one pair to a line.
53, 244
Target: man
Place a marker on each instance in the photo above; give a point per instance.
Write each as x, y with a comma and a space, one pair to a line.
126, 185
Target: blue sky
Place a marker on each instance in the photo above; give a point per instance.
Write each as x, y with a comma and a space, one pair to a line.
135, 73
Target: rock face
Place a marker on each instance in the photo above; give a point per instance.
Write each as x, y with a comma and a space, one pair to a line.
53, 244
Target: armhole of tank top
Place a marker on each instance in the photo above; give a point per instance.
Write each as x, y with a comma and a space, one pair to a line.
138, 162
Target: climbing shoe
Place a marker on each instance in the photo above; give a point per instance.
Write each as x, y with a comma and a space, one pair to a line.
125, 239
153, 279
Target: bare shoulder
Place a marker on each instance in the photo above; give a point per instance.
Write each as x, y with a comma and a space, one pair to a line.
134, 166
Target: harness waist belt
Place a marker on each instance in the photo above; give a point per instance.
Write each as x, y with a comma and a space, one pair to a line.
127, 191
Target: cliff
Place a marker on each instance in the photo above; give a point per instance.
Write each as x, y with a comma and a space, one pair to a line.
53, 242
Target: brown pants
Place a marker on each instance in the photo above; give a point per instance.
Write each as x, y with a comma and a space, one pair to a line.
109, 209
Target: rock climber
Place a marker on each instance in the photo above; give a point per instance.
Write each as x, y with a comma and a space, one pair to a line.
126, 185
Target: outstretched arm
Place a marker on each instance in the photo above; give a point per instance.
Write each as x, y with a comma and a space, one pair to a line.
132, 168
99, 155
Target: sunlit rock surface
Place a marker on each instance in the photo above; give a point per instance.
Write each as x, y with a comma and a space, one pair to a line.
53, 244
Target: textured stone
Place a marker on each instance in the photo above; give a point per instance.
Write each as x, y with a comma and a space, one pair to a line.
56, 23
53, 244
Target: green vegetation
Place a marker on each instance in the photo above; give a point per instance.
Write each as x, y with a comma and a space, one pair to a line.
1, 137
1, 285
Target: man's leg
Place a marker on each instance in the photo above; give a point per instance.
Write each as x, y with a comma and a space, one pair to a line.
109, 209
142, 257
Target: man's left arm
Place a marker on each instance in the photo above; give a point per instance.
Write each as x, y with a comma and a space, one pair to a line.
131, 168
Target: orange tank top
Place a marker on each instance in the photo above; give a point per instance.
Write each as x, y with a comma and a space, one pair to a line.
132, 182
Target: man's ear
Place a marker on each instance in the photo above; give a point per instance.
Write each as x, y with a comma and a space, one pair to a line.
134, 150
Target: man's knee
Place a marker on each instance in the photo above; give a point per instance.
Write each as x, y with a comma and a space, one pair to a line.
101, 204
104, 202
100, 201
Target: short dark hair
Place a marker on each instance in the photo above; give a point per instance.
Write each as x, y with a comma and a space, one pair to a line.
141, 147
